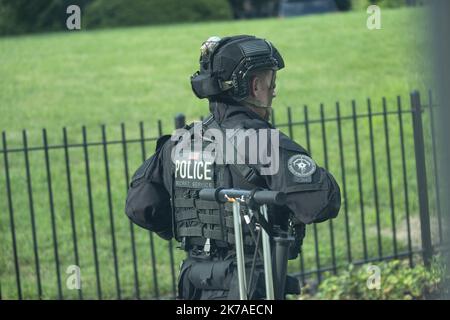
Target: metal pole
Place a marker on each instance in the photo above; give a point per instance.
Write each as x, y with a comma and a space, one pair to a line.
268, 275
419, 148
180, 121
239, 249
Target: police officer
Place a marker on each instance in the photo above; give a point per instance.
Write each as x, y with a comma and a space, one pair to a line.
238, 76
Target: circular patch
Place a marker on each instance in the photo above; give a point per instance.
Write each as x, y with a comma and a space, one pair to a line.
301, 165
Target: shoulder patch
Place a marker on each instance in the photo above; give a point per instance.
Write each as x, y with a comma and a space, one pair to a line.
301, 166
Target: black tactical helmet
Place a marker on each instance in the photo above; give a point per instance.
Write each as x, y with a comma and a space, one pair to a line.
225, 65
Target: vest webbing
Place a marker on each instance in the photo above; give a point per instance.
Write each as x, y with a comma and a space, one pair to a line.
208, 219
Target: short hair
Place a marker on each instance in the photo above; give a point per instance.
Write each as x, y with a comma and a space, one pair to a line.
261, 73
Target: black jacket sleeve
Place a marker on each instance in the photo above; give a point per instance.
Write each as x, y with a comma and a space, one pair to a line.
313, 194
148, 202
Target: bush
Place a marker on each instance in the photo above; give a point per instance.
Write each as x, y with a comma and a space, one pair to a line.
112, 13
24, 16
398, 281
363, 4
389, 3
343, 5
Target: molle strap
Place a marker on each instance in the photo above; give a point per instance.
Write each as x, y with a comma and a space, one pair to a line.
184, 203
209, 218
190, 231
213, 234
186, 215
206, 205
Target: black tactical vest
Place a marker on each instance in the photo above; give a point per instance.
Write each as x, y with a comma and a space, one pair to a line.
199, 222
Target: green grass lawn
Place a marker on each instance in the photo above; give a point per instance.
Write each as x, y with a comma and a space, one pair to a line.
142, 74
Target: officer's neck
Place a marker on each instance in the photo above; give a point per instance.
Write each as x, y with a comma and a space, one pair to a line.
263, 113
223, 110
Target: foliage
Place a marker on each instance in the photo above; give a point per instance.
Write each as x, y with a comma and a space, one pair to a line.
22, 16
344, 5
363, 4
254, 8
112, 13
389, 3
398, 281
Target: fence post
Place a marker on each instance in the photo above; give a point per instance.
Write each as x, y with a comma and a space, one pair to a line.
180, 121
419, 149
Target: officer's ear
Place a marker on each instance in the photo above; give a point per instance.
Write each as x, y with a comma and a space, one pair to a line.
255, 85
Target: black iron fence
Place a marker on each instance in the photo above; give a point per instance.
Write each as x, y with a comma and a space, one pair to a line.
63, 203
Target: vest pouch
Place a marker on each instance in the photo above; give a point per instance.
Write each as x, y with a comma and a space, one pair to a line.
186, 290
211, 275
